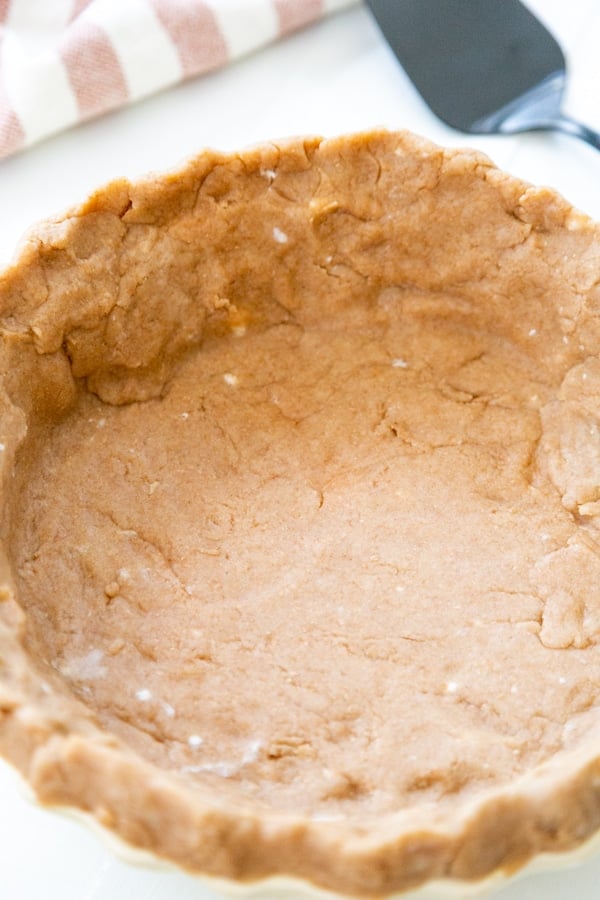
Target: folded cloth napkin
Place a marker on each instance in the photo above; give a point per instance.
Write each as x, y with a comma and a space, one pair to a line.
64, 61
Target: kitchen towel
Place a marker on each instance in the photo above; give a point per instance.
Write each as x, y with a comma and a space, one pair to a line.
64, 61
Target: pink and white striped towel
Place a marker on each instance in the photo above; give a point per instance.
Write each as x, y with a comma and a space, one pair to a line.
64, 61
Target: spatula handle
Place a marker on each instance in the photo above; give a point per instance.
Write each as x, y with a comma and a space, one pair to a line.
576, 129
567, 125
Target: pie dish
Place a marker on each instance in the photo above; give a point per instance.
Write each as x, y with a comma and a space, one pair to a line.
301, 494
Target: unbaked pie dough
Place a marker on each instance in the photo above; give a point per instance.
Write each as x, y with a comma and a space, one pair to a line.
301, 461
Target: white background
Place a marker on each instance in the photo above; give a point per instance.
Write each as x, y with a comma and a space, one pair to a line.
333, 77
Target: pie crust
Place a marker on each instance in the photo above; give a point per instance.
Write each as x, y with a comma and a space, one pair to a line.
301, 522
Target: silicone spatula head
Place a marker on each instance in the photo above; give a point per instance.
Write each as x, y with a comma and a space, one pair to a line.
483, 66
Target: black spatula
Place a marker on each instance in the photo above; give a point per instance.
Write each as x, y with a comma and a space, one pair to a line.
483, 66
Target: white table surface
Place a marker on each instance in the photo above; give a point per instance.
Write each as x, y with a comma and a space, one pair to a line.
334, 77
